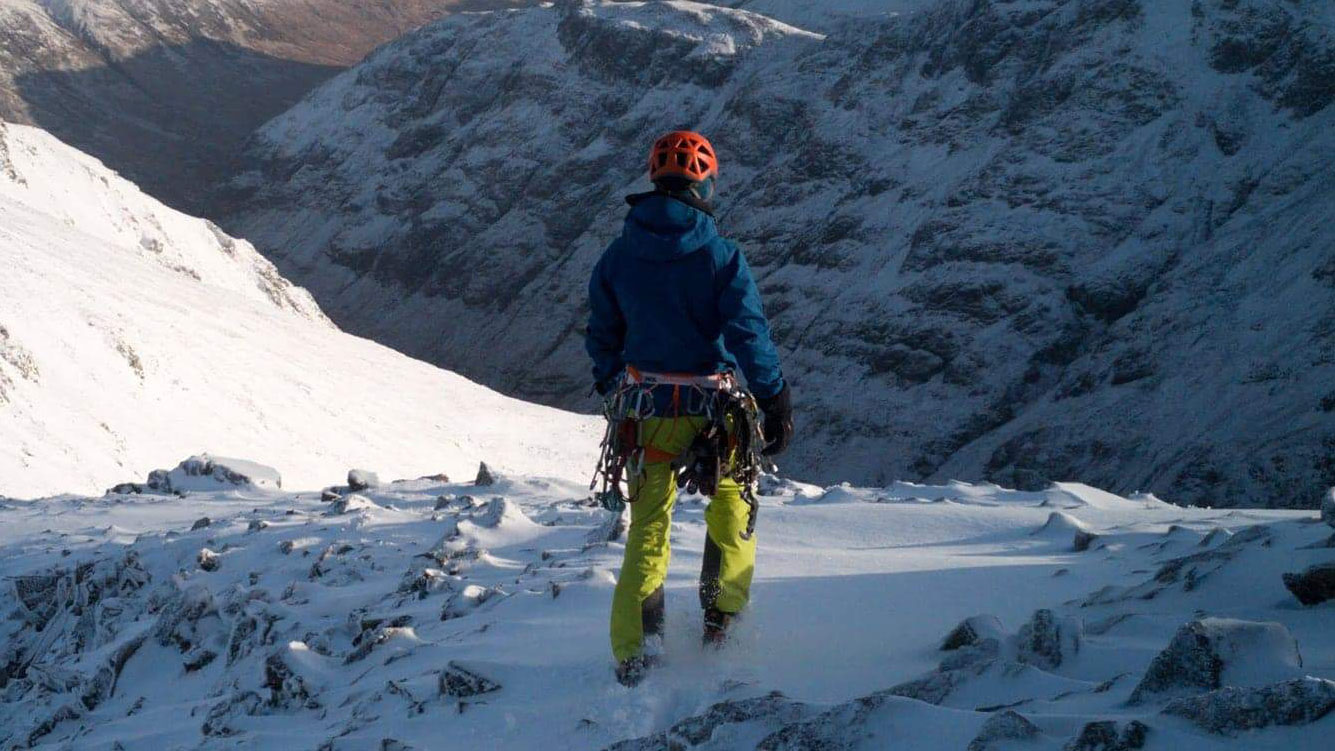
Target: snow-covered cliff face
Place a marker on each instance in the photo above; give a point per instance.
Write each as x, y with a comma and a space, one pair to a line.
132, 335
165, 90
1018, 241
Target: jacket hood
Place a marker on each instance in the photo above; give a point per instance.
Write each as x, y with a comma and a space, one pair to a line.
659, 227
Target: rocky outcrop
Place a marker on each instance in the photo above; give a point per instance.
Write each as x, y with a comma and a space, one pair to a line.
1207, 654
1046, 643
1003, 726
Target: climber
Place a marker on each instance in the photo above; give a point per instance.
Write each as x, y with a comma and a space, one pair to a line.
675, 312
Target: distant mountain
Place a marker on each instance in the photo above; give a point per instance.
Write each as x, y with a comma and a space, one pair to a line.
165, 90
132, 336
1019, 241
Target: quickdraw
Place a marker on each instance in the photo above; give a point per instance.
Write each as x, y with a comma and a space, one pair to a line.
729, 445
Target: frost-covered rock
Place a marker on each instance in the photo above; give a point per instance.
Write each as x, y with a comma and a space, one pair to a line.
205, 473
361, 479
973, 631
1314, 585
460, 682
772, 711
1001, 727
1209, 653
208, 560
200, 523
1046, 643
1105, 735
1235, 709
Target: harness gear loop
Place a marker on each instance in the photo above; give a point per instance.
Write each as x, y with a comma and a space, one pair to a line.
729, 445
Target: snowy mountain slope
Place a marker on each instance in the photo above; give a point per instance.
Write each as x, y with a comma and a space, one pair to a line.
1014, 240
132, 335
166, 90
439, 615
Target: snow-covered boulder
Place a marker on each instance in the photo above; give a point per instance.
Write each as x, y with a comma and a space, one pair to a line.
1231, 710
1213, 652
1061, 525
204, 473
361, 479
351, 503
1313, 586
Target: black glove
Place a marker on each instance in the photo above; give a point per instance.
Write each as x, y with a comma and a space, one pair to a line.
778, 427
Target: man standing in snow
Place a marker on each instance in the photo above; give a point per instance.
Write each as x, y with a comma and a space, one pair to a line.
673, 306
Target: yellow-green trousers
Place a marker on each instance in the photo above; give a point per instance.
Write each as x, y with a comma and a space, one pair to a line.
729, 561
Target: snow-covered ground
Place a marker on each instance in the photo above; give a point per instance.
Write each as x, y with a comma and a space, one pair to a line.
132, 335
430, 615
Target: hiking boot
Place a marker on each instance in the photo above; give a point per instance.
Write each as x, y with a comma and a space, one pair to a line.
631, 671
716, 628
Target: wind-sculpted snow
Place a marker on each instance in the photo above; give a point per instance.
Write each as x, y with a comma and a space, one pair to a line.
1017, 241
132, 335
433, 612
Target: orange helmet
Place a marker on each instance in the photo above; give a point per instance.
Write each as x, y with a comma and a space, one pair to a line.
683, 153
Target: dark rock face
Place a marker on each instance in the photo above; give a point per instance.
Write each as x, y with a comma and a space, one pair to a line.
1233, 710
1328, 507
972, 632
1013, 309
360, 479
1313, 586
1201, 651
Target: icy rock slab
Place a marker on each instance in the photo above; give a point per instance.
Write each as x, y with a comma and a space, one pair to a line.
1231, 710
1046, 643
1328, 508
1105, 736
1209, 653
1001, 727
1313, 586
361, 479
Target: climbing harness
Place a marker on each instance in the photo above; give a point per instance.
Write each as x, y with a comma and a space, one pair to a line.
729, 445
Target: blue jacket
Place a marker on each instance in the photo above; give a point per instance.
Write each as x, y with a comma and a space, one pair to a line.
672, 296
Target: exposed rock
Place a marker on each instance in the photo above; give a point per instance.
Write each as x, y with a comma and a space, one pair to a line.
1313, 586
460, 682
973, 631
208, 560
1328, 507
1000, 727
287, 689
257, 525
329, 494
102, 686
1234, 709
484, 476
442, 502
1105, 736
1205, 654
200, 523
1045, 643
360, 479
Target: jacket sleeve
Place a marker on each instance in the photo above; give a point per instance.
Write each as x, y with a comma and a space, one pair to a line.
605, 336
745, 330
